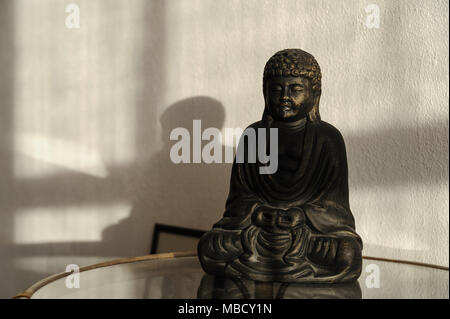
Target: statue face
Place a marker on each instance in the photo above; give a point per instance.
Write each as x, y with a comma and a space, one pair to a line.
289, 98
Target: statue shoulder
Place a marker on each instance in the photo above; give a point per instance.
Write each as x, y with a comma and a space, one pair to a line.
330, 132
256, 125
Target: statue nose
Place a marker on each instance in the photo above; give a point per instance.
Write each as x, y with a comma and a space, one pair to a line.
285, 99
285, 94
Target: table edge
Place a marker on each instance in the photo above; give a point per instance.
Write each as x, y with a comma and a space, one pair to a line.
28, 293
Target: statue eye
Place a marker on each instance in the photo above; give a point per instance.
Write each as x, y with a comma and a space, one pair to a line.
297, 88
275, 88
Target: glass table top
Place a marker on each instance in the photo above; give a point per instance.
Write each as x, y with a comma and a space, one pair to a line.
182, 277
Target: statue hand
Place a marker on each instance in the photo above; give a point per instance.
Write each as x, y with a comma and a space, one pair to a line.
323, 250
281, 219
264, 217
291, 218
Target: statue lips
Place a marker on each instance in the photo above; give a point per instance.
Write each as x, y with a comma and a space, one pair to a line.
285, 107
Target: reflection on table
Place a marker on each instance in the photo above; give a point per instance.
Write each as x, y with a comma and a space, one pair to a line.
183, 277
213, 287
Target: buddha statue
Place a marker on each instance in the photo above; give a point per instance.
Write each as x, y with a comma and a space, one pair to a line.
294, 225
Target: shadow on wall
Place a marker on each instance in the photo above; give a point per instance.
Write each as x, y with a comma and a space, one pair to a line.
159, 190
399, 156
182, 194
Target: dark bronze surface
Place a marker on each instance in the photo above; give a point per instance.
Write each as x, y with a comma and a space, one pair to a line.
294, 225
215, 287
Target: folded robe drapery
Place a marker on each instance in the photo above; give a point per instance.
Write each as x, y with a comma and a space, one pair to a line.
312, 179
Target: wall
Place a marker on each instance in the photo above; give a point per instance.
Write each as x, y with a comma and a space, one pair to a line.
86, 115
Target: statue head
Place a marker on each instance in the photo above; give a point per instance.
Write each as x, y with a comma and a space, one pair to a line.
292, 86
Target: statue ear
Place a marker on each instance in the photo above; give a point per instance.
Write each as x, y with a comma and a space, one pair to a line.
314, 114
266, 105
265, 90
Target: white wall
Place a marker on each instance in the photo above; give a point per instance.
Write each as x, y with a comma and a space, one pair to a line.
86, 115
